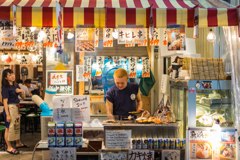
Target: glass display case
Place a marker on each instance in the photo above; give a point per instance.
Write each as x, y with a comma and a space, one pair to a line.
209, 103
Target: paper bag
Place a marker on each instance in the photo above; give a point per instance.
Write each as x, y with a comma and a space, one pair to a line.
14, 128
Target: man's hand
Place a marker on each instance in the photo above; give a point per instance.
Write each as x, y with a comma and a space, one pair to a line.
111, 117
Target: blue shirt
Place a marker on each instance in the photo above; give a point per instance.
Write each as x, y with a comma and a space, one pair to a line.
10, 94
123, 101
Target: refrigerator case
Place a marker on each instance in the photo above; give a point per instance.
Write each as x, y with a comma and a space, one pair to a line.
209, 102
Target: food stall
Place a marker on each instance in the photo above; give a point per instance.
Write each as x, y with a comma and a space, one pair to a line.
75, 69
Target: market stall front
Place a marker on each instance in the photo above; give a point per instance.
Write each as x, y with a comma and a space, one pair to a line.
126, 16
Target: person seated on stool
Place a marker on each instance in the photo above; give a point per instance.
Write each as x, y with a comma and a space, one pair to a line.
123, 97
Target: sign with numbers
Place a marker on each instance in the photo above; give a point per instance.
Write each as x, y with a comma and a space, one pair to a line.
81, 108
107, 37
132, 65
61, 81
146, 67
118, 139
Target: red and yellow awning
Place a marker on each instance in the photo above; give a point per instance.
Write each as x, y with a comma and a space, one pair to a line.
115, 13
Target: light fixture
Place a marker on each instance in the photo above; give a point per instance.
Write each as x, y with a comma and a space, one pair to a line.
115, 34
33, 29
70, 35
41, 36
211, 37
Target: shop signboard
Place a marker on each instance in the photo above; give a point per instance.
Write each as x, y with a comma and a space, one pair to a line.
176, 37
108, 155
141, 155
154, 37
87, 67
107, 37
81, 108
212, 144
171, 154
60, 80
63, 153
145, 67
132, 66
85, 40
118, 139
7, 41
79, 73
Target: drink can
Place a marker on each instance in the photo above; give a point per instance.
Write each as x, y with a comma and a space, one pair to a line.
155, 144
166, 143
145, 143
134, 144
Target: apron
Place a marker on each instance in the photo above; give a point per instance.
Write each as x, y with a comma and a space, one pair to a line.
14, 128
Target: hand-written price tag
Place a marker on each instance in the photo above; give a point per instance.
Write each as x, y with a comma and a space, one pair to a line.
81, 108
118, 139
132, 62
58, 78
63, 153
146, 67
62, 102
141, 154
79, 73
62, 114
113, 155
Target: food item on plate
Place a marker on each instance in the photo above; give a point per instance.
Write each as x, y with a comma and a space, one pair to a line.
204, 151
227, 151
110, 121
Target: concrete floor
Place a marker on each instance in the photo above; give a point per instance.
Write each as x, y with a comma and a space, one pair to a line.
25, 153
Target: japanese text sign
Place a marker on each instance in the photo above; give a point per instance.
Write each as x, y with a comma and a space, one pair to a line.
146, 67
81, 108
58, 78
63, 153
132, 65
140, 154
118, 139
107, 37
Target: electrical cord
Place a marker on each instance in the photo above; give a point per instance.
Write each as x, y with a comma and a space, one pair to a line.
34, 149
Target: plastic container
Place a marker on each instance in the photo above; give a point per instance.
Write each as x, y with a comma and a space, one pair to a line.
49, 94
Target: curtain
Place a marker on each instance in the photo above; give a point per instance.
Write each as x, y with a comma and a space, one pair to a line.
233, 45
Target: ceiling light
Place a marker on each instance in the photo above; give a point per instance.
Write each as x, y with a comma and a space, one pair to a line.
115, 34
211, 37
70, 35
33, 29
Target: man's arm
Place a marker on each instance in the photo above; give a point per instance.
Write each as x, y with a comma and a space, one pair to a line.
139, 102
109, 107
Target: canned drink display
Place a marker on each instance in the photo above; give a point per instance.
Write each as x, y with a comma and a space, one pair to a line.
134, 144
145, 143
150, 143
139, 144
166, 143
155, 144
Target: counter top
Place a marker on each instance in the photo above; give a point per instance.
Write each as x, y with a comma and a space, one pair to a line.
129, 124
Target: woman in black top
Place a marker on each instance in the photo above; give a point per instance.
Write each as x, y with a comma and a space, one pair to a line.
10, 92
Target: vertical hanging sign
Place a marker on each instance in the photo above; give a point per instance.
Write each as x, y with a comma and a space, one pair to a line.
96, 37
107, 37
146, 67
14, 21
154, 37
196, 21
142, 36
87, 67
59, 26
100, 65
132, 62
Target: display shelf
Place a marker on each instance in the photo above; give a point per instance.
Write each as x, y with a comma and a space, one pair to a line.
129, 124
92, 128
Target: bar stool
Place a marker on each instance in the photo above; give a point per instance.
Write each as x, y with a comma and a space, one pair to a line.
23, 112
32, 122
2, 141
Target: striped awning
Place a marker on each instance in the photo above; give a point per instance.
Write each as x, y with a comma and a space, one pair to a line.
109, 3
115, 13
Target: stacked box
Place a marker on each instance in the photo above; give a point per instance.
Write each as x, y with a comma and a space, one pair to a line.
51, 134
205, 68
78, 140
69, 134
60, 134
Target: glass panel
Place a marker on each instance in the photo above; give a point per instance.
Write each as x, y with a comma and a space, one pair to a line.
214, 106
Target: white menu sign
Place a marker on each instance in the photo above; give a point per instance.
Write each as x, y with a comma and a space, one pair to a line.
113, 155
141, 155
79, 73
62, 102
62, 114
115, 139
58, 78
81, 108
63, 153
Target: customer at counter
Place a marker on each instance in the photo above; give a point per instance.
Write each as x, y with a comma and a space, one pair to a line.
123, 97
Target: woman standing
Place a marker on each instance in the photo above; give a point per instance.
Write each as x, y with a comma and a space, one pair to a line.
10, 92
